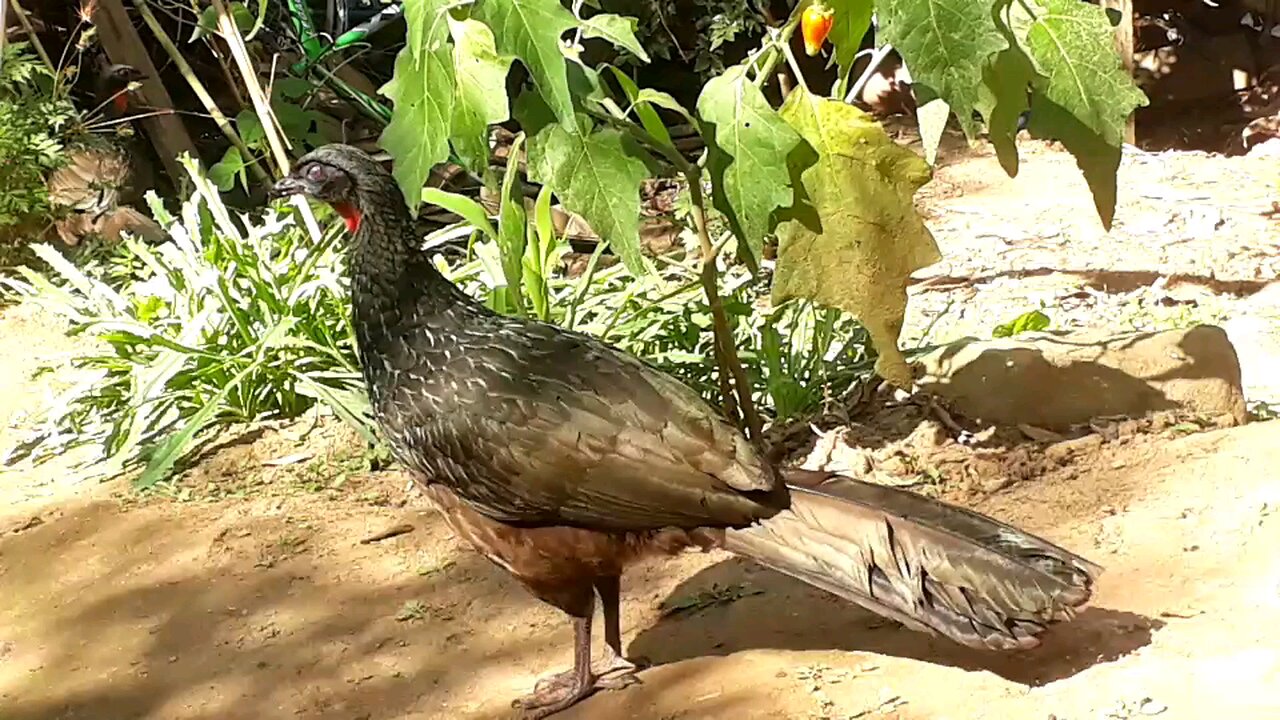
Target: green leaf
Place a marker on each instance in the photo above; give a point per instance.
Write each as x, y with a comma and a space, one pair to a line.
291, 88
223, 174
619, 30
461, 205
481, 91
595, 174
946, 44
1005, 97
852, 18
531, 31
1032, 321
748, 144
1083, 96
208, 22
418, 134
250, 128
854, 236
427, 28
512, 226
648, 116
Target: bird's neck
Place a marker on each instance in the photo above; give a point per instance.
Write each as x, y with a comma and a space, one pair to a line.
395, 288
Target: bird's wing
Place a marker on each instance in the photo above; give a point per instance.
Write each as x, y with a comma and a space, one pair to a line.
533, 424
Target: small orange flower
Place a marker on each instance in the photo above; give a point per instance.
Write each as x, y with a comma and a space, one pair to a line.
815, 25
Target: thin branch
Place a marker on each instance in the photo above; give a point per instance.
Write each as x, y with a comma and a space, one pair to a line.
198, 87
31, 35
270, 126
726, 352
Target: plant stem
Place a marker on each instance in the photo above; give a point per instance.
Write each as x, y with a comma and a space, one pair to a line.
270, 127
795, 68
31, 35
198, 87
726, 351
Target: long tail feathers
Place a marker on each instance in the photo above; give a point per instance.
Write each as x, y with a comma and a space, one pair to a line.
928, 565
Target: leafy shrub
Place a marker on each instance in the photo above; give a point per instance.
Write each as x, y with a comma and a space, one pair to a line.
30, 146
227, 322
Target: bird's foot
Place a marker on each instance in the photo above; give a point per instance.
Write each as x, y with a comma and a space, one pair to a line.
560, 691
616, 672
553, 694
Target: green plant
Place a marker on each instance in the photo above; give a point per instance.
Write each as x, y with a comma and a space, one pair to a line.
818, 174
222, 324
1030, 321
31, 144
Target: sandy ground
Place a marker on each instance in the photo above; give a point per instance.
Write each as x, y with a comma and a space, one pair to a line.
249, 594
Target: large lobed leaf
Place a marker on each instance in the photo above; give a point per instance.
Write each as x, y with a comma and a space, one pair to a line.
418, 134
854, 236
749, 143
1081, 95
531, 31
595, 174
946, 44
481, 98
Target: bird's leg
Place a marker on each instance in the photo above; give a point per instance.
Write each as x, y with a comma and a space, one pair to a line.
561, 691
616, 671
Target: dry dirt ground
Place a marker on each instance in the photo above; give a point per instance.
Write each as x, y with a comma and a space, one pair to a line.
246, 592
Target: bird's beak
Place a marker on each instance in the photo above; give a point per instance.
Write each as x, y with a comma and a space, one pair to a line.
287, 186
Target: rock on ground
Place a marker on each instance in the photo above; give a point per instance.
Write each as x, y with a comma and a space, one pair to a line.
1056, 381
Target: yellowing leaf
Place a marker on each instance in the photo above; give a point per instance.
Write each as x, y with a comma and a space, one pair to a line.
854, 235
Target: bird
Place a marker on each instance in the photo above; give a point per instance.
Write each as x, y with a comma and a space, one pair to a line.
563, 460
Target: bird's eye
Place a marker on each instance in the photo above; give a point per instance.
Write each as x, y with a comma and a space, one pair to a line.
316, 173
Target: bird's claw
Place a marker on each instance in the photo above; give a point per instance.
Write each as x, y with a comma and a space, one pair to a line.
560, 691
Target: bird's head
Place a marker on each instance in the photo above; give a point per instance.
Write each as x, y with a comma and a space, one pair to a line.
122, 75
340, 175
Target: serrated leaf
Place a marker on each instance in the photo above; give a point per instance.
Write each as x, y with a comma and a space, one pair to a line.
946, 44
748, 148
481, 91
854, 235
531, 31
427, 26
619, 30
596, 175
852, 18
418, 135
1083, 96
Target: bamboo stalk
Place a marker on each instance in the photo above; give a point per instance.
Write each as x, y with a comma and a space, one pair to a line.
198, 87
270, 127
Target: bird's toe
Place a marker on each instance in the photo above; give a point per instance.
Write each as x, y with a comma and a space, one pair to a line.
553, 694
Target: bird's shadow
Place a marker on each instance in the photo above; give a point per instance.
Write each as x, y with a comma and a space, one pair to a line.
763, 609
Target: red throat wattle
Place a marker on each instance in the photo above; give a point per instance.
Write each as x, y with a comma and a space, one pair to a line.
121, 102
350, 213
